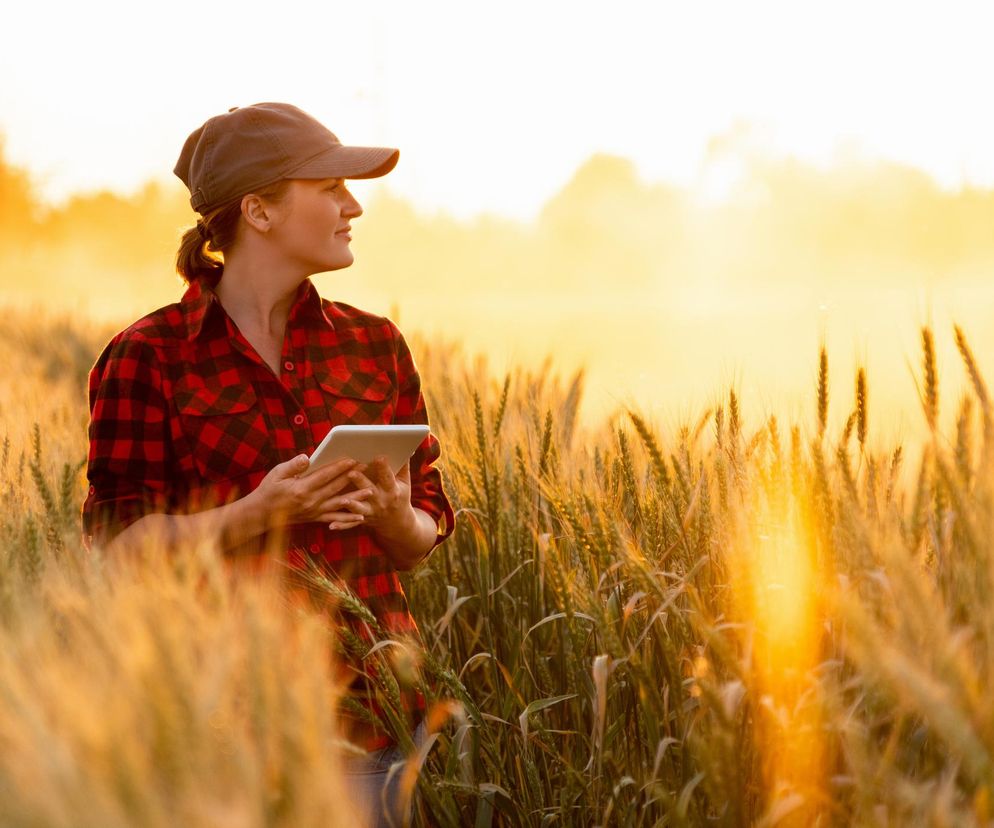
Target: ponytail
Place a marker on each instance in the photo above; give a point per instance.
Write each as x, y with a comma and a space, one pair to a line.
193, 261
201, 250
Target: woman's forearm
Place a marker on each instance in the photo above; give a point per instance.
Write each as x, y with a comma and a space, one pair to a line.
235, 523
409, 542
230, 525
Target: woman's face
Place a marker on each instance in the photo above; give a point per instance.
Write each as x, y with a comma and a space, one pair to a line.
312, 224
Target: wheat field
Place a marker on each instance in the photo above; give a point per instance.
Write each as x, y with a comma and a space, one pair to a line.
727, 623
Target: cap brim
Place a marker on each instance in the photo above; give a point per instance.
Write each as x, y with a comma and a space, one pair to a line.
348, 162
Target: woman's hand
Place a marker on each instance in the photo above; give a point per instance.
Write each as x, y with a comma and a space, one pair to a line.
283, 497
407, 534
387, 508
286, 497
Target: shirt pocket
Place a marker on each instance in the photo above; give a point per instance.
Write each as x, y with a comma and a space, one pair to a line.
358, 398
227, 432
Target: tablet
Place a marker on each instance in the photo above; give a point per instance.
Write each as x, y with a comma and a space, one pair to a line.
364, 443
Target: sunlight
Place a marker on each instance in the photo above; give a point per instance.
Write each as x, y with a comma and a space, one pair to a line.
718, 180
777, 589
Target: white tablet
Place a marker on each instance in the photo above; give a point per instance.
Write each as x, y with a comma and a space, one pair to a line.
364, 443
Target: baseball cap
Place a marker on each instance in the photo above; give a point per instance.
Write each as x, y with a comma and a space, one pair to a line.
252, 146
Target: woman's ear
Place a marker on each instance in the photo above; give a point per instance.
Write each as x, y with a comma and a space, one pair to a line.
256, 213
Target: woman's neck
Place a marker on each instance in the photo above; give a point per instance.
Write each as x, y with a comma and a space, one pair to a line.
256, 298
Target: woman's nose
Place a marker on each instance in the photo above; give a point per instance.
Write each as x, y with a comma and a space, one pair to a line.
352, 208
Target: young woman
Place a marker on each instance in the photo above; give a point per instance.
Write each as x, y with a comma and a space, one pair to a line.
203, 412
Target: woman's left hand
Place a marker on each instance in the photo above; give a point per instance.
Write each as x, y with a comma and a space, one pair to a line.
387, 509
406, 533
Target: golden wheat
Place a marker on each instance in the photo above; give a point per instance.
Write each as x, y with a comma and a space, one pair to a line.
721, 626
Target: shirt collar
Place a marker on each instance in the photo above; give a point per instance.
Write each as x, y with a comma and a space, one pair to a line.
309, 305
200, 305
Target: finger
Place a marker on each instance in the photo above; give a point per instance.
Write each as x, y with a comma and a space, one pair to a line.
340, 516
329, 471
344, 520
340, 485
326, 484
291, 468
359, 507
360, 480
405, 472
345, 501
381, 474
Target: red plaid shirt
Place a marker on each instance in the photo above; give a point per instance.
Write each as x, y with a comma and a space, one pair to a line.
185, 415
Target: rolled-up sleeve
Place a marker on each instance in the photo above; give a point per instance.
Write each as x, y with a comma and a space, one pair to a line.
427, 493
126, 466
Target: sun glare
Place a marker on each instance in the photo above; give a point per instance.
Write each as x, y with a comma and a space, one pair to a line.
778, 587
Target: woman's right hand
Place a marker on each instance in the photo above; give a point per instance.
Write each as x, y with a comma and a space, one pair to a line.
286, 497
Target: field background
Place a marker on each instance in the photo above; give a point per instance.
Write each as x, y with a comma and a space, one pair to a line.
705, 572
665, 298
748, 623
682, 281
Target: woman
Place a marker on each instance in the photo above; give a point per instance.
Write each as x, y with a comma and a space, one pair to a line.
203, 413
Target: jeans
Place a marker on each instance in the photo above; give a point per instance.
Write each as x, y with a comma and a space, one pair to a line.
376, 789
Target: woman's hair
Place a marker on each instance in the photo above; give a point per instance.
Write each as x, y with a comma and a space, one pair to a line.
215, 233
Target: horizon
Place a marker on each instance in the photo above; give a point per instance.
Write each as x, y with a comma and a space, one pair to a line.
663, 85
721, 181
690, 295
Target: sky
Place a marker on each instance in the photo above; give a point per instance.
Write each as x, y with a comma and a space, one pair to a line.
494, 106
504, 108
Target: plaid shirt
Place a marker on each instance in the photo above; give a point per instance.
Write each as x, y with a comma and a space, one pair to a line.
185, 415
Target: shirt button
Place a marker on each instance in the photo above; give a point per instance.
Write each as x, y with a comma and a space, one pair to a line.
315, 548
288, 365
298, 420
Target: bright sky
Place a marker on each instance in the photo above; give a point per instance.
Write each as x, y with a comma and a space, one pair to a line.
495, 105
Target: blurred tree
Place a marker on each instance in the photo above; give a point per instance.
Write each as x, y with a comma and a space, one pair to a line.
19, 212
606, 227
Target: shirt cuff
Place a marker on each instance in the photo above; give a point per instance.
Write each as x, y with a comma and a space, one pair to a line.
442, 514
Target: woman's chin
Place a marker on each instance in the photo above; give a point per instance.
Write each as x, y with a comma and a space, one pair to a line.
337, 263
